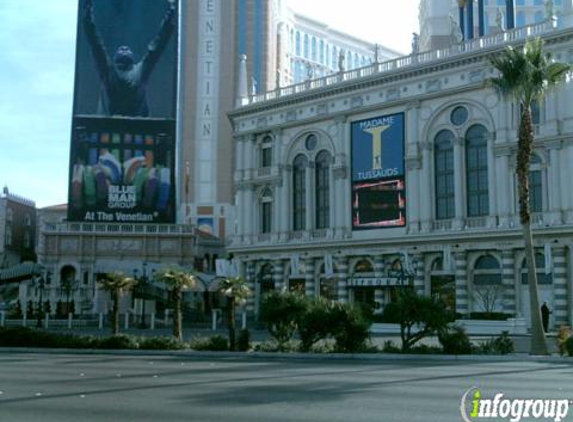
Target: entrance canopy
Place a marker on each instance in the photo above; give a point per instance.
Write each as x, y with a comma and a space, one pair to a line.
19, 272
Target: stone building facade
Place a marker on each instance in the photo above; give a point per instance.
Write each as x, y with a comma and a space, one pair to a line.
456, 231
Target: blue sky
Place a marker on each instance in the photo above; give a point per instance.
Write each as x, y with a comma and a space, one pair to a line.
37, 45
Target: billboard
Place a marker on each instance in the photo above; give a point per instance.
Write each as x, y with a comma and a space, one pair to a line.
122, 155
378, 173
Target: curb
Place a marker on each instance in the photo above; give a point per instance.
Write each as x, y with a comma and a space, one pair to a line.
296, 356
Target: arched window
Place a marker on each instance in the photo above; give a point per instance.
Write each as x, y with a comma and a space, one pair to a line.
476, 171
327, 56
488, 287
321, 51
444, 175
543, 276
334, 57
297, 43
306, 46
292, 41
322, 189
9, 214
363, 266
266, 211
536, 184
299, 193
266, 281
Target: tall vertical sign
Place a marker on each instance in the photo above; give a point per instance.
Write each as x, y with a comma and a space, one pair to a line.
122, 157
206, 129
378, 176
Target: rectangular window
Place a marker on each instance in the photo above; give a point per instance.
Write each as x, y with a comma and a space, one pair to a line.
266, 156
266, 217
535, 191
445, 207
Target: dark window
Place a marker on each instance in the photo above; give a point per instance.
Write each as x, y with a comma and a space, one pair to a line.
459, 116
311, 142
444, 173
542, 277
487, 271
322, 191
266, 211
266, 152
476, 172
299, 193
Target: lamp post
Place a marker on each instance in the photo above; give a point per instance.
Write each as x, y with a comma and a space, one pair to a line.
40, 282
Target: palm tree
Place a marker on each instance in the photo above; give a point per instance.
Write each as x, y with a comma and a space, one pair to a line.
237, 291
116, 283
176, 280
525, 75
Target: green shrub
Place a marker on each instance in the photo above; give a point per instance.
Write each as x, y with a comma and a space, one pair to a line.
501, 345
314, 323
216, 343
349, 328
244, 340
161, 343
455, 341
274, 346
280, 311
28, 337
120, 341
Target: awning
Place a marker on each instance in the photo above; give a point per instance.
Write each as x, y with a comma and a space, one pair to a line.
20, 272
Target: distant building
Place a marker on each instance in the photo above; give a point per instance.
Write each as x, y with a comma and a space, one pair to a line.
17, 229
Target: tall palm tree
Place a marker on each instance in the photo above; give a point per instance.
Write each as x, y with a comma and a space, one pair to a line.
237, 291
116, 283
525, 75
176, 280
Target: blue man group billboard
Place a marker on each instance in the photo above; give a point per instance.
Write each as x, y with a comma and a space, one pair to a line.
122, 156
378, 174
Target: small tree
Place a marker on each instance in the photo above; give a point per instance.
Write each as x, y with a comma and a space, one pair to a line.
236, 291
525, 75
489, 297
418, 316
176, 280
314, 322
116, 283
349, 326
280, 311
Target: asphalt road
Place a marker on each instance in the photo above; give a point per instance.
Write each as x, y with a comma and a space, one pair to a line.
96, 387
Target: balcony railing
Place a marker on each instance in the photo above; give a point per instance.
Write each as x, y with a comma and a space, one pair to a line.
117, 228
467, 47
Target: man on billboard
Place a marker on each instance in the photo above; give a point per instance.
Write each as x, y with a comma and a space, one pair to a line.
124, 80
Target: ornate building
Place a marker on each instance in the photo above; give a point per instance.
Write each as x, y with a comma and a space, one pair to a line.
403, 172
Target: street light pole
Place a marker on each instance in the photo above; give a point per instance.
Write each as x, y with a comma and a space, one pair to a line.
40, 281
143, 282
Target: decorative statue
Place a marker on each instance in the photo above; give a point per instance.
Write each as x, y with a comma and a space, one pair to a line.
455, 31
415, 43
499, 21
341, 61
549, 12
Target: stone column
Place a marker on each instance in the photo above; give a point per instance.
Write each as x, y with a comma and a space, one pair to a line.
426, 205
413, 164
492, 181
508, 281
503, 192
420, 274
310, 285
568, 191
278, 274
252, 300
249, 212
284, 223
342, 267
560, 291
554, 183
461, 275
